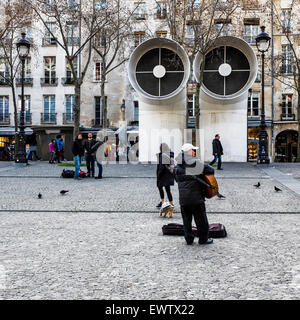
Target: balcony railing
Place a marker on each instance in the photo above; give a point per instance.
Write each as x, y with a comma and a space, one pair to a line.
49, 42
67, 81
98, 123
140, 16
5, 118
49, 81
288, 117
68, 118
4, 81
27, 82
48, 118
27, 118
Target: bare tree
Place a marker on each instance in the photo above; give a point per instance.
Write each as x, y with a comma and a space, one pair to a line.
110, 43
73, 25
286, 63
16, 17
196, 25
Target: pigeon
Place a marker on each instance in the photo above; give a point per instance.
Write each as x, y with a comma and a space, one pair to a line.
40, 196
257, 185
277, 189
220, 196
63, 192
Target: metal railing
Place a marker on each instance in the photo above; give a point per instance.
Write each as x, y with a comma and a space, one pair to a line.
49, 81
27, 118
4, 118
288, 117
68, 118
27, 81
48, 118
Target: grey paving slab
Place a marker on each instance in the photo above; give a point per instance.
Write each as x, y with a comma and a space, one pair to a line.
125, 256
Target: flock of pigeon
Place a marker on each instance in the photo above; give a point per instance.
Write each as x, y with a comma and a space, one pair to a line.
257, 186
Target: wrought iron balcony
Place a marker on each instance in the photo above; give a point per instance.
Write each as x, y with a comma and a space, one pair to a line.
67, 81
27, 82
49, 42
4, 81
5, 118
49, 81
73, 41
48, 118
27, 117
288, 117
68, 118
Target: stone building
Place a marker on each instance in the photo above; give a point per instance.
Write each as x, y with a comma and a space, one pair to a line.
50, 95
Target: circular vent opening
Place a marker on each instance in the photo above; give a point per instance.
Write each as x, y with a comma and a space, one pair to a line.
159, 72
227, 71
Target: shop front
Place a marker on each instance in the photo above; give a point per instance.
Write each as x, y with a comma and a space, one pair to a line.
286, 146
7, 142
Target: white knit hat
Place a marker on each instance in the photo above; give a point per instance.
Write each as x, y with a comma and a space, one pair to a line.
188, 146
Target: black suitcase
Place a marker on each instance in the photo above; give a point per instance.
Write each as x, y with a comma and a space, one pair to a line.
216, 230
68, 173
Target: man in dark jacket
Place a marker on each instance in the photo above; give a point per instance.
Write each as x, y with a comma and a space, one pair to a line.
191, 194
217, 151
90, 154
78, 152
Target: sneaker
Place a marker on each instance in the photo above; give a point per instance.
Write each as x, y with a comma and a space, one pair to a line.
98, 177
208, 241
219, 169
159, 205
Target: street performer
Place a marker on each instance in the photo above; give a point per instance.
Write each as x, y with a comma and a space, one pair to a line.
192, 194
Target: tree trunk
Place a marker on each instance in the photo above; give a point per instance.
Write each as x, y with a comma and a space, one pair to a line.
103, 100
76, 109
298, 146
15, 117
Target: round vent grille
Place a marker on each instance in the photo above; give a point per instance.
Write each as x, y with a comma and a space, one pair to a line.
159, 69
226, 71
159, 72
230, 68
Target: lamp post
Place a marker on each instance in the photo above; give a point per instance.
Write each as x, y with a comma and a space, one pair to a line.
123, 108
263, 43
23, 48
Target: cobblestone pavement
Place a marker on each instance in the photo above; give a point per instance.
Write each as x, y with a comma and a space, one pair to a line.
104, 241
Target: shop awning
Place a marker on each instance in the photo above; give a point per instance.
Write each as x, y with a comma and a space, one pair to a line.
253, 123
10, 131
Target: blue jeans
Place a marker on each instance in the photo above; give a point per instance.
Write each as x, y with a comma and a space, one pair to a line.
219, 158
77, 160
100, 169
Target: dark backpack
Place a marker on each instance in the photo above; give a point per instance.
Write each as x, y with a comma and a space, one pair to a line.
216, 230
68, 173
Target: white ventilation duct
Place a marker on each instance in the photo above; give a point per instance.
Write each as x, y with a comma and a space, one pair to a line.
230, 71
159, 70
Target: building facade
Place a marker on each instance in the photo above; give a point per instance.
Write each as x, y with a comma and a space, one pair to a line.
49, 91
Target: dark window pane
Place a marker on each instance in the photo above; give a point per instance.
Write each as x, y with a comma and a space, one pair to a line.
214, 59
171, 61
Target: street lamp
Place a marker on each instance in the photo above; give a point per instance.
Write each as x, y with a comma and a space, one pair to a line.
263, 41
123, 108
23, 48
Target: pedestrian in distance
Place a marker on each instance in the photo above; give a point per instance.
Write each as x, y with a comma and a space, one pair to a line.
78, 152
217, 152
164, 176
59, 148
192, 194
90, 155
52, 151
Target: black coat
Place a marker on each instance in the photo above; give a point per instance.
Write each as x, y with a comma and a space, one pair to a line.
164, 176
191, 192
88, 146
77, 148
217, 147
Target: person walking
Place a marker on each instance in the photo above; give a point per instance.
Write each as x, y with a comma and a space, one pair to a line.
90, 155
52, 151
33, 147
100, 149
217, 152
191, 194
78, 152
165, 178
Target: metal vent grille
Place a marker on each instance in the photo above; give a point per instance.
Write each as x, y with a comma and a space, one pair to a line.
227, 71
159, 72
